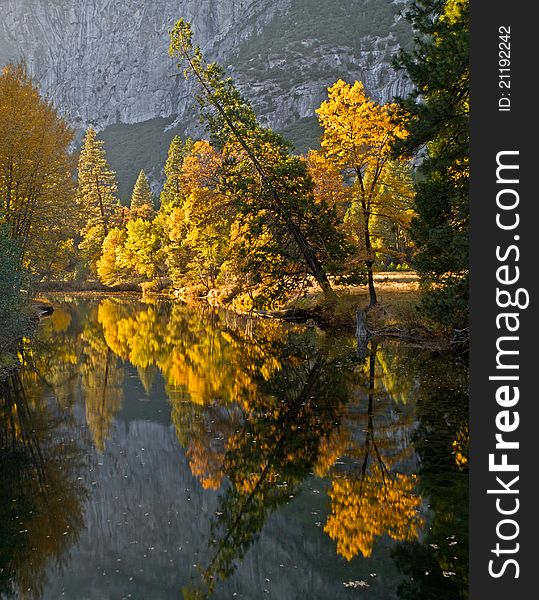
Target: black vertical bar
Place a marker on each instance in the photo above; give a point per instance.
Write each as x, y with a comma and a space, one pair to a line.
502, 121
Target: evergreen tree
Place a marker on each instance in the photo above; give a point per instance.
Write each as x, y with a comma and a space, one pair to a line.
142, 194
96, 195
438, 111
172, 190
96, 183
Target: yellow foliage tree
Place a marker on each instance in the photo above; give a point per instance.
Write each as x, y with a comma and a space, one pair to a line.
329, 185
110, 266
205, 214
36, 184
358, 137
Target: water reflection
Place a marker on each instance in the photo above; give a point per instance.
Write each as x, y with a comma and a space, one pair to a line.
41, 500
438, 567
265, 416
373, 497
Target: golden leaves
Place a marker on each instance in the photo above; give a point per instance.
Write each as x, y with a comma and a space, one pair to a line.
358, 133
368, 507
36, 185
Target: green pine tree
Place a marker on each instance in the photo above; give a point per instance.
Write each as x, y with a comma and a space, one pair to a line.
142, 194
97, 186
438, 111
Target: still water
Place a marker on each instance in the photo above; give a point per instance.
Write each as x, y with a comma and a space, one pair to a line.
157, 451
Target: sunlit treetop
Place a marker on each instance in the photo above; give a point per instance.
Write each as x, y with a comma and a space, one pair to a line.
358, 132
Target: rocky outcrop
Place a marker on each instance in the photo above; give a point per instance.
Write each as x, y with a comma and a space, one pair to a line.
104, 62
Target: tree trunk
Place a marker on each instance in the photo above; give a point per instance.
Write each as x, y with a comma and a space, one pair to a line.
314, 265
368, 249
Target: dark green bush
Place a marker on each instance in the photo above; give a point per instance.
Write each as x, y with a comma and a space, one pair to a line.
11, 281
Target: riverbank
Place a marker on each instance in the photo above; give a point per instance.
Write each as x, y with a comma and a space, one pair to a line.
27, 321
396, 314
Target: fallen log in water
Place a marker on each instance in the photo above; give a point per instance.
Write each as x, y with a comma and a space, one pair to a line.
291, 315
42, 310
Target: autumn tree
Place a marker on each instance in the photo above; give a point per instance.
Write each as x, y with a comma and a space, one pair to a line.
110, 265
358, 137
201, 225
271, 187
329, 186
391, 215
96, 194
142, 198
438, 127
36, 183
141, 251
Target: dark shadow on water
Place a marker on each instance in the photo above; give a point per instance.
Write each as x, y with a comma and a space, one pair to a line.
41, 501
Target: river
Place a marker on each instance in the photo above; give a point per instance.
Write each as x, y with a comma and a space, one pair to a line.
155, 451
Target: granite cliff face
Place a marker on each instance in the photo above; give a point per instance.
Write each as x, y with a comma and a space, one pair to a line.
105, 62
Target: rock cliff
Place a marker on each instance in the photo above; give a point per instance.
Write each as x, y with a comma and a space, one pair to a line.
105, 62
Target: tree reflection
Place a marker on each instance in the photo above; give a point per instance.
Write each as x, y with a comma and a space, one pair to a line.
40, 497
369, 498
71, 354
438, 567
259, 406
270, 451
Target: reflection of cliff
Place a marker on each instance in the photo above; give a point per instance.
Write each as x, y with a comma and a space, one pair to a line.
148, 519
40, 497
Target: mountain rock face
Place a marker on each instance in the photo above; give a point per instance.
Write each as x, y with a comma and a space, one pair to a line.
105, 62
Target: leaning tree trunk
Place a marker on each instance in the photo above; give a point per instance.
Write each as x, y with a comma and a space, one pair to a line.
311, 259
